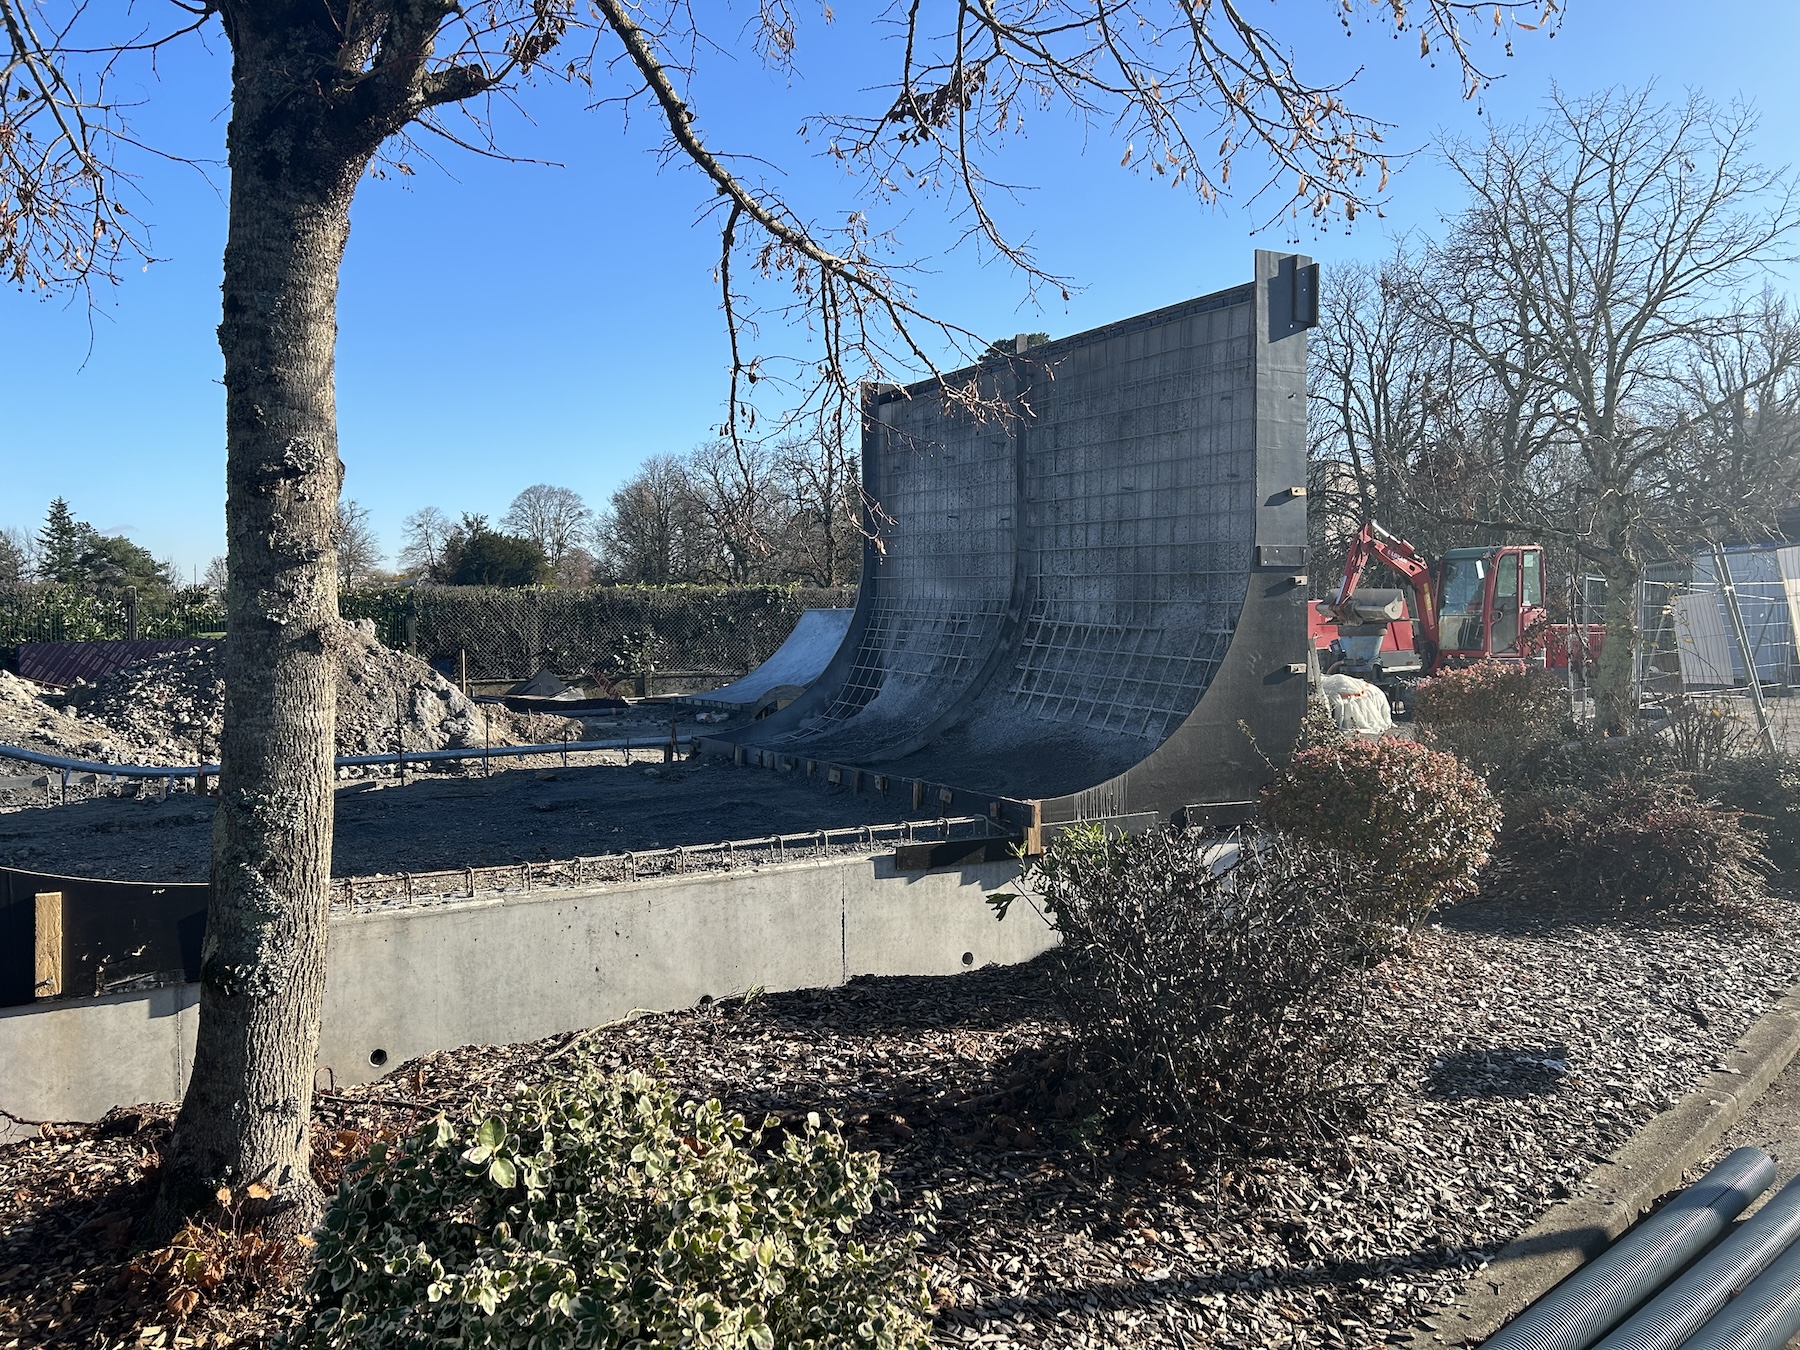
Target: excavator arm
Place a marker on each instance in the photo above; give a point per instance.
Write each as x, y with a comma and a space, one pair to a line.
1374, 544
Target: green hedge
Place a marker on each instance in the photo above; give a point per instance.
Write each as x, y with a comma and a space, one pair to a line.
611, 631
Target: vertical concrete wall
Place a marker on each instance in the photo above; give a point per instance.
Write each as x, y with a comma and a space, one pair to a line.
76, 1059
403, 983
1079, 603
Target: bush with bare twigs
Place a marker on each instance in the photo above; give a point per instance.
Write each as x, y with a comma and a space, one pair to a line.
1213, 983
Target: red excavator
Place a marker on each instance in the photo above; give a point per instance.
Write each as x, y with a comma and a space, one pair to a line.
1473, 604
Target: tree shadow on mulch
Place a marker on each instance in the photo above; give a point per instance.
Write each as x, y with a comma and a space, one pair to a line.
1514, 1073
992, 998
1503, 912
78, 1195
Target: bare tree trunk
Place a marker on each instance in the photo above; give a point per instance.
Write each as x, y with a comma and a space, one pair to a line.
1615, 674
246, 1113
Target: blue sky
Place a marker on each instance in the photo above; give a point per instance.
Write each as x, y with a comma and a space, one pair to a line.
506, 324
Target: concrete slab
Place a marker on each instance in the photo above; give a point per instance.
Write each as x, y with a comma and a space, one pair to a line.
788, 672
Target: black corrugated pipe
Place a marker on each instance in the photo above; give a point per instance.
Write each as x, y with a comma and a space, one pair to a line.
1676, 1313
1600, 1295
1764, 1317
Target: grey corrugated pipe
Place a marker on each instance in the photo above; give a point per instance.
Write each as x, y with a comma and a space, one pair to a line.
1763, 1317
1674, 1315
1600, 1295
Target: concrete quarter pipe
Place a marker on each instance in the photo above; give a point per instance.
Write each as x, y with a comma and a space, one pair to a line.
1095, 607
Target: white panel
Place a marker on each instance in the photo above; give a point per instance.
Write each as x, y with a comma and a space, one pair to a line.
1787, 562
1700, 641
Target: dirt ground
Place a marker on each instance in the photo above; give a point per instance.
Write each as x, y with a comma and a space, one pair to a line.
524, 814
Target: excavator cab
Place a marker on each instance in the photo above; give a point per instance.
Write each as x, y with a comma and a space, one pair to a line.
1489, 602
1473, 604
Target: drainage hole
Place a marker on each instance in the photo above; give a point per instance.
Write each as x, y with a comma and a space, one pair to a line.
379, 1057
968, 958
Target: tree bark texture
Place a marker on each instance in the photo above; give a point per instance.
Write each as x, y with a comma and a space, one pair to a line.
1615, 675
246, 1114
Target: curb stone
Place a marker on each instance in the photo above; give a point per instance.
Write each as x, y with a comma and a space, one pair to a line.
1649, 1165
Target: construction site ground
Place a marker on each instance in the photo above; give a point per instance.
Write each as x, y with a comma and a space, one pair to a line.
538, 812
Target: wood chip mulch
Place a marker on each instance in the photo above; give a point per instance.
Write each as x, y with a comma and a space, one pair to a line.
1520, 1050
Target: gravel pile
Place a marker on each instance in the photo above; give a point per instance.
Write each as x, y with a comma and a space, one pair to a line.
1520, 1052
171, 709
33, 717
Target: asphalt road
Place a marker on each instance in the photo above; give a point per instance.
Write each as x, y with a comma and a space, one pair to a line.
1773, 1125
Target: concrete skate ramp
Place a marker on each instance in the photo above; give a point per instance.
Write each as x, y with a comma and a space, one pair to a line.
791, 667
1096, 606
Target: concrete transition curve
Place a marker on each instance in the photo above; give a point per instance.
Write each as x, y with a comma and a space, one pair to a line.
790, 670
1094, 607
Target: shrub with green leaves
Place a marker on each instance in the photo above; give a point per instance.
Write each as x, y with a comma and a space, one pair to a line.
1499, 718
1419, 822
1646, 843
599, 1211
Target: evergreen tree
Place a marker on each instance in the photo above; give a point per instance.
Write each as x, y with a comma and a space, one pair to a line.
476, 554
61, 543
112, 563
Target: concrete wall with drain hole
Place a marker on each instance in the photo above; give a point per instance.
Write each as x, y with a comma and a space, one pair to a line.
510, 968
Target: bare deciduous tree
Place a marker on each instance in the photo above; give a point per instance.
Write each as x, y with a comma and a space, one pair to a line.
320, 89
646, 533
1579, 333
1603, 251
18, 556
422, 536
735, 504
1734, 463
556, 519
358, 548
822, 486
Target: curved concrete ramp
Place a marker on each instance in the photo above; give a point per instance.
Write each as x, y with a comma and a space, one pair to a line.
790, 669
1094, 608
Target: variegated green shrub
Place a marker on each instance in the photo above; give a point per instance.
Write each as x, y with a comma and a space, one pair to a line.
601, 1211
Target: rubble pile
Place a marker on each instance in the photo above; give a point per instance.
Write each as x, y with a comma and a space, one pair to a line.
437, 714
171, 709
168, 709
30, 717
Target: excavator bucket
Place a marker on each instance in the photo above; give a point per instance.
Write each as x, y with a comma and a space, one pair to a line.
1095, 606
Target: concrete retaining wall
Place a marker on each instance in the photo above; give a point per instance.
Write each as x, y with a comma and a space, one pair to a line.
509, 968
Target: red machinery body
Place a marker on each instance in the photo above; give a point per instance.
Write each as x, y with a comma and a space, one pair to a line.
1473, 604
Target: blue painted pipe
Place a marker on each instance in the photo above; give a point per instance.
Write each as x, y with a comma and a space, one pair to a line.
1681, 1309
64, 762
1603, 1293
1764, 1317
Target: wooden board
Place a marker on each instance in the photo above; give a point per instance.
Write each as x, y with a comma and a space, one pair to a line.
47, 944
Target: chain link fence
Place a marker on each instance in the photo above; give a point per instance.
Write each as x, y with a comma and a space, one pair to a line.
605, 632
34, 613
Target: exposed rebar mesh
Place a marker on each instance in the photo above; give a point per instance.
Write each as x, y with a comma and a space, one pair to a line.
1056, 593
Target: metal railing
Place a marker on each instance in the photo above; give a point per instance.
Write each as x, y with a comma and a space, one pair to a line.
466, 883
200, 772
